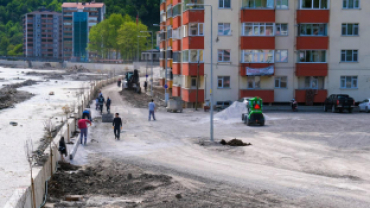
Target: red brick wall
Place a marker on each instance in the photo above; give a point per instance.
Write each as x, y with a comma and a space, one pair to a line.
257, 15
308, 69
313, 16
257, 43
193, 42
313, 43
190, 69
268, 96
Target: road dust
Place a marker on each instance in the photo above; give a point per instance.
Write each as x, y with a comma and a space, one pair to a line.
140, 100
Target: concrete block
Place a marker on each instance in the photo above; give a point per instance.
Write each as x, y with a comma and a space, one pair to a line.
107, 118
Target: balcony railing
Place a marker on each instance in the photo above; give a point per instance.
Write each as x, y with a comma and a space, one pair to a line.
258, 4
197, 6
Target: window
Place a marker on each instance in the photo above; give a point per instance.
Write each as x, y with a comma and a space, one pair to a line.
193, 82
314, 4
224, 29
351, 4
311, 82
282, 4
169, 11
312, 56
349, 56
199, 4
253, 4
281, 82
223, 55
253, 82
281, 29
176, 10
312, 30
196, 29
349, 29
258, 29
223, 82
258, 56
224, 4
348, 82
281, 56
192, 56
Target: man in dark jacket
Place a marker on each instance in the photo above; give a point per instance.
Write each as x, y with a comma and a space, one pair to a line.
108, 105
101, 102
117, 126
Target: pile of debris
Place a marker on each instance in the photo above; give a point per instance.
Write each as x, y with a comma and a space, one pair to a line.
77, 69
11, 96
235, 142
28, 82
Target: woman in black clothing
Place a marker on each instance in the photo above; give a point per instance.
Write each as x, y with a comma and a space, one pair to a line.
62, 148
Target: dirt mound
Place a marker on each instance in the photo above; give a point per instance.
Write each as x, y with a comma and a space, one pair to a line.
11, 96
235, 142
234, 111
67, 166
77, 69
28, 82
105, 180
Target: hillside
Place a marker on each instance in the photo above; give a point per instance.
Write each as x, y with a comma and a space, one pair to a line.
11, 12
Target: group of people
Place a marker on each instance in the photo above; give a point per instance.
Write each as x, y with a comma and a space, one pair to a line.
86, 119
99, 103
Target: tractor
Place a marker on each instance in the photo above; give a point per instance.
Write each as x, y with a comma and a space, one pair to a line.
132, 81
254, 114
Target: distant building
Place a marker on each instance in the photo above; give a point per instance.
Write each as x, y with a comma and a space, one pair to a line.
147, 55
78, 18
42, 34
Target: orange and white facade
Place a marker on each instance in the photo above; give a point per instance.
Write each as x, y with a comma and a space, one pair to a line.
274, 49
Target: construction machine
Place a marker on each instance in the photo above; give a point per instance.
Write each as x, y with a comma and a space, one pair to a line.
254, 115
132, 81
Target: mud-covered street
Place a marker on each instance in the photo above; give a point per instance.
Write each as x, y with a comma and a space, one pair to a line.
296, 160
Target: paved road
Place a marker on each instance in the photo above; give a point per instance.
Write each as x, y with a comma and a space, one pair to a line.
303, 159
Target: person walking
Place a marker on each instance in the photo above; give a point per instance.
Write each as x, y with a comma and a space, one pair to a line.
151, 110
146, 86
96, 103
101, 103
62, 148
86, 113
108, 104
83, 128
117, 126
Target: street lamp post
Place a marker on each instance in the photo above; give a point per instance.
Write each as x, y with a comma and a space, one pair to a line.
210, 91
165, 62
152, 59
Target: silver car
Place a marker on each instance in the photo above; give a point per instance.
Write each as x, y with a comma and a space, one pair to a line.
364, 105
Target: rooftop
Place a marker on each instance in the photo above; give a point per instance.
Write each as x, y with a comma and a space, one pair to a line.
80, 5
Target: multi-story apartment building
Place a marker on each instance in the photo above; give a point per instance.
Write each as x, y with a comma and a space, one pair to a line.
275, 49
42, 34
78, 18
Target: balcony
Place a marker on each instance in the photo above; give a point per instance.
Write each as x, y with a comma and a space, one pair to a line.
176, 91
176, 22
175, 2
169, 63
320, 96
312, 16
176, 68
193, 16
169, 43
191, 69
268, 96
162, 63
312, 42
190, 95
176, 45
312, 69
257, 15
243, 67
168, 2
193, 42
169, 21
162, 45
253, 42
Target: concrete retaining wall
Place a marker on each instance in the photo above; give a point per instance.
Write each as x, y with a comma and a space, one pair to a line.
22, 198
118, 68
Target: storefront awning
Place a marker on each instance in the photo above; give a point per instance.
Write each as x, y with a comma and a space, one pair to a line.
269, 71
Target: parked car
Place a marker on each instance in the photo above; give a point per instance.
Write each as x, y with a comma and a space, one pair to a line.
364, 105
339, 102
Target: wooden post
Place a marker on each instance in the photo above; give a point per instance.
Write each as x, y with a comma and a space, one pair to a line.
68, 137
33, 191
